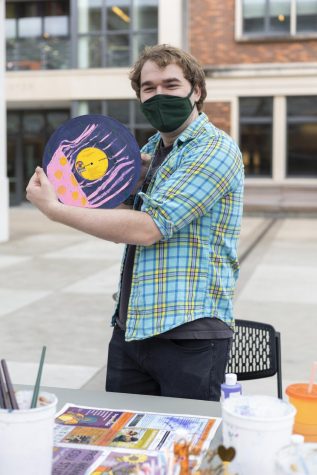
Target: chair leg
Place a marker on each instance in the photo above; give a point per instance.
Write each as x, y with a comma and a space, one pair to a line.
279, 365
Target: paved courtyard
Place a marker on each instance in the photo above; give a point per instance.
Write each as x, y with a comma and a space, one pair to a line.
56, 289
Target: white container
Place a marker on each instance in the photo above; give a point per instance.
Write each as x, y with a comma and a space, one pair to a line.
257, 427
26, 436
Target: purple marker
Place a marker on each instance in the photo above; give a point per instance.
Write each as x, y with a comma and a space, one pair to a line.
230, 388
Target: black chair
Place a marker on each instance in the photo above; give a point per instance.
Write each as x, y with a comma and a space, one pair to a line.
256, 352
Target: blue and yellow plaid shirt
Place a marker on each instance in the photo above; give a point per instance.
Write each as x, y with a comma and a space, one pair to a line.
195, 199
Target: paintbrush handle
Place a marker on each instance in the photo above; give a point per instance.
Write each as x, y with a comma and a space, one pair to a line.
2, 405
38, 379
4, 396
7, 378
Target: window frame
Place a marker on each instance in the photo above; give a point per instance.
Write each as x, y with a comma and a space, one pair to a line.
298, 119
258, 120
41, 40
240, 35
104, 33
42, 17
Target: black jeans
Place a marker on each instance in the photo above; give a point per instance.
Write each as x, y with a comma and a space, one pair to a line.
156, 366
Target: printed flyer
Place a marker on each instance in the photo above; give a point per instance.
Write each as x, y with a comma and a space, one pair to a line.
104, 441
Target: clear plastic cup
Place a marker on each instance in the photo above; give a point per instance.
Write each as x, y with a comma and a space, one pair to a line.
297, 459
306, 406
26, 436
257, 427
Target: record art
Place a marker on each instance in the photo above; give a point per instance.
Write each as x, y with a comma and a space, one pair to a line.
93, 161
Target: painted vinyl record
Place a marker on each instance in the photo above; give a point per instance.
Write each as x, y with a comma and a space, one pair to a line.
93, 161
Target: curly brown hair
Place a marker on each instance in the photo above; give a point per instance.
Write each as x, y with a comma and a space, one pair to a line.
163, 55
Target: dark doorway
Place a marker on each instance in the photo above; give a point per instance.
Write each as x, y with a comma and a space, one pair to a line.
28, 133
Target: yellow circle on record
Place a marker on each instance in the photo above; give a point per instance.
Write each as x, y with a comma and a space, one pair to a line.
91, 163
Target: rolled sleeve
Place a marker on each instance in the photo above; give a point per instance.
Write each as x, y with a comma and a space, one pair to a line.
204, 175
155, 209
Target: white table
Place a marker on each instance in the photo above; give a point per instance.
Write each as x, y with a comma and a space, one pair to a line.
137, 402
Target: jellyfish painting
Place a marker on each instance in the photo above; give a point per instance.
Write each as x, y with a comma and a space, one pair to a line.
92, 161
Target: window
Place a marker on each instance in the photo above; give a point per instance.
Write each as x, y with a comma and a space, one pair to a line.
301, 136
37, 35
256, 135
306, 16
112, 33
274, 18
127, 112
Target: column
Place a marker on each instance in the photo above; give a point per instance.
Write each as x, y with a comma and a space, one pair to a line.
171, 22
279, 139
4, 183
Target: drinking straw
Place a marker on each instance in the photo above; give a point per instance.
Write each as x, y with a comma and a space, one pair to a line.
312, 377
38, 379
7, 378
3, 391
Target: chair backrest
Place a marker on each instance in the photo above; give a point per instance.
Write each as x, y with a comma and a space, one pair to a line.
255, 352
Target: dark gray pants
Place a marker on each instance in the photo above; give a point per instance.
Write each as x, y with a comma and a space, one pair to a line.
156, 366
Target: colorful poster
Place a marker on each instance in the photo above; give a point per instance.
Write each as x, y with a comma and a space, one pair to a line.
122, 442
74, 461
122, 463
93, 417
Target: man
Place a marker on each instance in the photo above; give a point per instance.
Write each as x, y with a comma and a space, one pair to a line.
172, 325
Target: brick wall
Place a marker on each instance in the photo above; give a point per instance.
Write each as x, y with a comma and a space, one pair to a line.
212, 42
219, 114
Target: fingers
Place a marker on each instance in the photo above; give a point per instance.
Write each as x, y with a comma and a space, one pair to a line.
34, 181
41, 175
145, 157
146, 160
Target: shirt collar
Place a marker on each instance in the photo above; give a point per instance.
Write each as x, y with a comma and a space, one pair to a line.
194, 128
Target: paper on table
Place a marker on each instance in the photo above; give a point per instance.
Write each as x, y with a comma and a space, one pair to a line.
122, 433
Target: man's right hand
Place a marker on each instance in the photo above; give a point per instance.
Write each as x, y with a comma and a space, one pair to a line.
145, 163
146, 160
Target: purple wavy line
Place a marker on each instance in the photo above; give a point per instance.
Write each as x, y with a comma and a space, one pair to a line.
106, 148
110, 178
123, 158
118, 153
105, 137
119, 168
113, 174
122, 177
95, 205
73, 143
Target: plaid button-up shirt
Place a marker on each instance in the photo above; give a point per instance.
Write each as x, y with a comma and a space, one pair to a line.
195, 199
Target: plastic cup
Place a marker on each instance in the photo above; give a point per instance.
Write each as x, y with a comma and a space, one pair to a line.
297, 459
306, 406
26, 436
257, 427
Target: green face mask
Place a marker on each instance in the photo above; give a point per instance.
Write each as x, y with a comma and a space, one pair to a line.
166, 113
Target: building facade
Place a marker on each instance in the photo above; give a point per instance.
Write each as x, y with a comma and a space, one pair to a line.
67, 58
260, 61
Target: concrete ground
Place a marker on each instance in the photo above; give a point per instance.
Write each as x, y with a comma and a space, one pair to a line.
56, 289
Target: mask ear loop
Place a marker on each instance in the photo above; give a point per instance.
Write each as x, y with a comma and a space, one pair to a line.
190, 93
